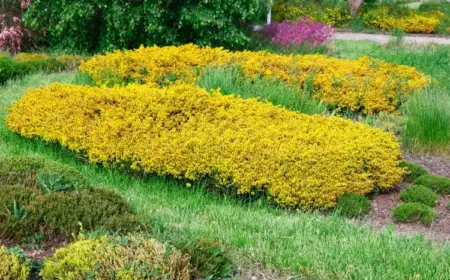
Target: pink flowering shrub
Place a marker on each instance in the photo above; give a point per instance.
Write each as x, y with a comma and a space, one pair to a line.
298, 33
12, 34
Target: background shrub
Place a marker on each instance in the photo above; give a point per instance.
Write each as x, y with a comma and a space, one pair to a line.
304, 31
11, 69
12, 266
131, 257
224, 138
118, 24
412, 212
439, 184
352, 205
419, 194
413, 171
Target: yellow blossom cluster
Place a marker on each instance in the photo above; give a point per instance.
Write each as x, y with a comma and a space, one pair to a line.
245, 145
334, 16
364, 84
405, 20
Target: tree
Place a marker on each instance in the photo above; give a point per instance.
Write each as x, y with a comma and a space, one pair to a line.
355, 5
99, 25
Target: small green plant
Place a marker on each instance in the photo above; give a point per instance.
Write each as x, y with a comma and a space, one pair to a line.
53, 183
419, 194
437, 183
352, 205
413, 212
413, 170
210, 258
34, 242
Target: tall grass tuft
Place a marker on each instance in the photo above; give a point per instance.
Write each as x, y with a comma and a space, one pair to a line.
428, 123
230, 80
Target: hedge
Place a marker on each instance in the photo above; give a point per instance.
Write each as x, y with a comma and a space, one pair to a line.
244, 145
364, 84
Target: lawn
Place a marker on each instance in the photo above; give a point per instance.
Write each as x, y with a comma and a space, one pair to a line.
259, 236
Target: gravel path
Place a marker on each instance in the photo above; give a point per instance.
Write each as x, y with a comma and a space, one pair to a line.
383, 38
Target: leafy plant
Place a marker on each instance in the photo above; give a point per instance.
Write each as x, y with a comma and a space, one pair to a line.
412, 212
352, 205
53, 183
419, 194
117, 24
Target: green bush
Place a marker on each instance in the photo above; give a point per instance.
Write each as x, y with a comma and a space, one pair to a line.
437, 183
11, 69
353, 205
119, 24
210, 258
49, 198
413, 212
130, 257
12, 266
414, 171
419, 194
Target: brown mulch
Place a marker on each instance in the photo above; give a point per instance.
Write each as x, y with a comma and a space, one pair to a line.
434, 164
381, 214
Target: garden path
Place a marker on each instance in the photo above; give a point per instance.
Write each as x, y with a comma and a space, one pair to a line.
384, 38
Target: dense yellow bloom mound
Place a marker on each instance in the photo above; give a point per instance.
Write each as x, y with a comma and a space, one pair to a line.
12, 267
359, 85
127, 258
405, 20
299, 160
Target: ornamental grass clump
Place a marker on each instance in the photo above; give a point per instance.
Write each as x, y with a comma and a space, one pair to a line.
362, 85
297, 33
243, 145
414, 212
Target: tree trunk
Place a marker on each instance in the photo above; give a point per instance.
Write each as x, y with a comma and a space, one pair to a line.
355, 5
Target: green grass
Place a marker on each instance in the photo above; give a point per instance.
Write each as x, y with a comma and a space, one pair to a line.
428, 123
231, 81
306, 244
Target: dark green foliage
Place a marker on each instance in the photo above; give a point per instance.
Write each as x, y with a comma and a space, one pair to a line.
210, 258
10, 69
36, 171
413, 212
26, 212
55, 177
49, 198
414, 171
353, 205
437, 183
101, 25
62, 212
419, 194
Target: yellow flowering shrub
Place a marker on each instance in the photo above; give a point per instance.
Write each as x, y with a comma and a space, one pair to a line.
406, 20
23, 57
128, 258
334, 16
71, 60
11, 266
359, 85
300, 161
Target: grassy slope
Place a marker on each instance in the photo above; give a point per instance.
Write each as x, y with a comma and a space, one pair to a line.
309, 244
